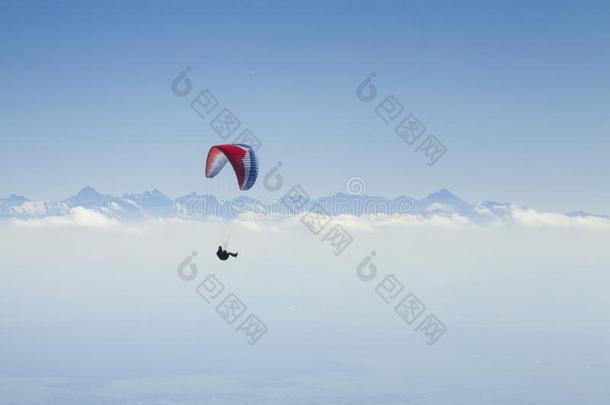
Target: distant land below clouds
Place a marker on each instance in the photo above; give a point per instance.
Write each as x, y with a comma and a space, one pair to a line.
439, 207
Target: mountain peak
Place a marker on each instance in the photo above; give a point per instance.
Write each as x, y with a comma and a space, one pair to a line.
87, 197
584, 214
491, 204
443, 195
15, 199
87, 191
156, 193
148, 194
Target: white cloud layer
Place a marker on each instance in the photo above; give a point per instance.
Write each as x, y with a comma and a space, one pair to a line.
85, 218
530, 217
76, 217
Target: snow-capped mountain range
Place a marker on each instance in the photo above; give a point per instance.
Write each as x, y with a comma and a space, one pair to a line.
155, 204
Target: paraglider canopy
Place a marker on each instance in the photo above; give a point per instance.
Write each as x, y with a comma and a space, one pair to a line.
242, 159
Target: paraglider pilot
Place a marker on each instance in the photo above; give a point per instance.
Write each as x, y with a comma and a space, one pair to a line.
223, 254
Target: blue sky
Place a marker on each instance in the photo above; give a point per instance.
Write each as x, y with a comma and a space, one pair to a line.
518, 92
